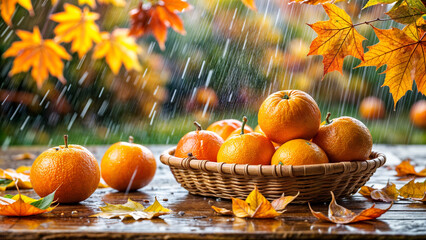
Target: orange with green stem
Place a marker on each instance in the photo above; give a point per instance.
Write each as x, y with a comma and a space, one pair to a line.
202, 144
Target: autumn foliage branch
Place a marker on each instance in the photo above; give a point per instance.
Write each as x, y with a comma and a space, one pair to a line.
402, 50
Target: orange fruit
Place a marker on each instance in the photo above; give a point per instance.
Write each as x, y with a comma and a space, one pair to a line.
251, 148
225, 127
71, 170
237, 132
289, 114
207, 96
259, 130
127, 166
344, 139
202, 144
372, 108
418, 114
299, 152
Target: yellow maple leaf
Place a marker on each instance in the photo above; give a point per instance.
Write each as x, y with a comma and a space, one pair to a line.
8, 7
43, 55
256, 206
337, 38
414, 190
91, 3
118, 48
77, 26
403, 53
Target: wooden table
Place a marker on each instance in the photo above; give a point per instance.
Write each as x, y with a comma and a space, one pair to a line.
193, 217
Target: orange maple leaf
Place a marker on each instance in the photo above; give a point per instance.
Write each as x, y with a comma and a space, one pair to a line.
21, 205
250, 4
156, 18
337, 38
43, 55
77, 26
405, 168
8, 8
118, 48
403, 51
339, 214
256, 206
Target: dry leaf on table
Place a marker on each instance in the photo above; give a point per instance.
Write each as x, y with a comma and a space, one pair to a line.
405, 168
21, 205
387, 194
256, 206
414, 191
21, 175
133, 210
339, 214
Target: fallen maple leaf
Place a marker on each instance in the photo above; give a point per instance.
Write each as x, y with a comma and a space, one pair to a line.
405, 168
256, 206
133, 210
156, 17
387, 194
8, 8
403, 53
250, 4
413, 190
21, 205
43, 55
118, 48
20, 176
341, 215
78, 27
337, 38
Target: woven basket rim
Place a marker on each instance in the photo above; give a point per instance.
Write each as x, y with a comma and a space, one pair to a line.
376, 160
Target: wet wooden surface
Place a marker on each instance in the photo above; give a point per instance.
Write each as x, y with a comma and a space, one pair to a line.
193, 218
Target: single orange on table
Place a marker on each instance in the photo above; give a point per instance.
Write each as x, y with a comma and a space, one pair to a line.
127, 166
344, 139
70, 170
372, 108
251, 148
418, 114
202, 144
225, 127
289, 114
299, 152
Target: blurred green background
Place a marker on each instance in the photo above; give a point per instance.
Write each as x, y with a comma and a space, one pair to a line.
229, 61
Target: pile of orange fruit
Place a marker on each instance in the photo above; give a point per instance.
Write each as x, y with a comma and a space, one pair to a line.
290, 132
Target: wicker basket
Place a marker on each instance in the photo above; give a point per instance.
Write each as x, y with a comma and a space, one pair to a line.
314, 182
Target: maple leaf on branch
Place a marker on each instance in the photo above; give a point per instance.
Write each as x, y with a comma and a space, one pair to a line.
78, 27
44, 56
376, 2
118, 48
156, 17
337, 38
407, 11
7, 8
403, 51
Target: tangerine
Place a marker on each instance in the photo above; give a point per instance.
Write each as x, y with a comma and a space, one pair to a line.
127, 166
225, 127
299, 152
70, 170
